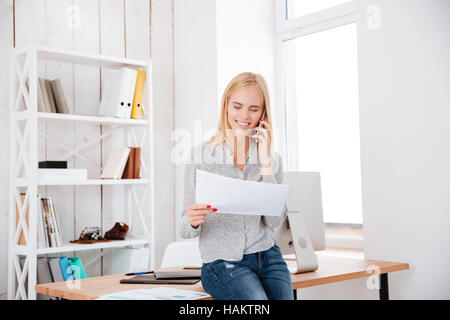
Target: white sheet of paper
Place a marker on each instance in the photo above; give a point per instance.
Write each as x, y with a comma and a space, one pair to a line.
158, 293
237, 196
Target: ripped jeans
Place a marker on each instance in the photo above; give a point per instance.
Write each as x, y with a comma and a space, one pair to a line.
258, 276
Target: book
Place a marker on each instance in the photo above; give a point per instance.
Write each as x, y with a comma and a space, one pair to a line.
50, 96
77, 268
118, 94
132, 168
41, 103
136, 111
137, 163
115, 164
42, 238
49, 164
44, 92
60, 99
22, 240
128, 172
55, 269
50, 227
55, 223
66, 269
48, 174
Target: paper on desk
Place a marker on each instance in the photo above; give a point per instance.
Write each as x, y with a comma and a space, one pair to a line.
158, 293
237, 196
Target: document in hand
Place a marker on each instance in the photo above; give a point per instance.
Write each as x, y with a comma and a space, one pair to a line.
237, 196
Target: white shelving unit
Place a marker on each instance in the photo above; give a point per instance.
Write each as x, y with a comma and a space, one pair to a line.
24, 138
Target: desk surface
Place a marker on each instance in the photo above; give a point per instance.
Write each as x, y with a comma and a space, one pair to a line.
331, 269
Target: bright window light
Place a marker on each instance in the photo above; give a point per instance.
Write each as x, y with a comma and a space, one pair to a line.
323, 117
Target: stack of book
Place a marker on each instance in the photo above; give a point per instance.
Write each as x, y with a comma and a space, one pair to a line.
49, 170
123, 163
122, 94
49, 230
51, 96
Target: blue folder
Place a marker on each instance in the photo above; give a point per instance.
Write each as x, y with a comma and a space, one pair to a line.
66, 268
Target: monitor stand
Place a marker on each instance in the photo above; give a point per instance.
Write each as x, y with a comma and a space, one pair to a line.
304, 251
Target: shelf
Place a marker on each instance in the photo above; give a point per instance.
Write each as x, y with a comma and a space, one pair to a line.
70, 56
22, 115
91, 118
83, 247
22, 182
70, 182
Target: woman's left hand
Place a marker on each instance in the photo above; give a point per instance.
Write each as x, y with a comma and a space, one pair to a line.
263, 138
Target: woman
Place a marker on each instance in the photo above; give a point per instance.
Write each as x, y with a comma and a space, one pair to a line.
241, 259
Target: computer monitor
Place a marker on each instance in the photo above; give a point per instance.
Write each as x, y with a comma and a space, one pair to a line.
303, 232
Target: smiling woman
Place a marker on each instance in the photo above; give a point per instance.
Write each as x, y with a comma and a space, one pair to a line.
241, 259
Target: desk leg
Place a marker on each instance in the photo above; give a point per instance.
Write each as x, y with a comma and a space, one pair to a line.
295, 294
384, 287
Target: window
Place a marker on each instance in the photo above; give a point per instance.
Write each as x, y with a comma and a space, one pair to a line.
323, 117
318, 59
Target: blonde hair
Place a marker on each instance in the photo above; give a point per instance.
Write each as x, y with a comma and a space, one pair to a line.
242, 80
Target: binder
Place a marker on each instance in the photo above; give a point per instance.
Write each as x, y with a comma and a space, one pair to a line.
77, 267
66, 269
137, 112
118, 94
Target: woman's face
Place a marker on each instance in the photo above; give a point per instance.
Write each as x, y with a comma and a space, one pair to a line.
245, 108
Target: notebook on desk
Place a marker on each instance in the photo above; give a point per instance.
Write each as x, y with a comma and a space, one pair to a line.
174, 274
150, 279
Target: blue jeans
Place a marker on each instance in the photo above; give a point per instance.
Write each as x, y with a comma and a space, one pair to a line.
258, 276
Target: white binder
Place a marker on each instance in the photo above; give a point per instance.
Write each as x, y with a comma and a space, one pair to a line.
118, 93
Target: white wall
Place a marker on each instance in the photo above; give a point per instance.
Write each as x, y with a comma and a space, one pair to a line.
214, 41
195, 73
404, 70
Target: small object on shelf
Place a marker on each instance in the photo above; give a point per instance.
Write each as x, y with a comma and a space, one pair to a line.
91, 233
50, 164
118, 232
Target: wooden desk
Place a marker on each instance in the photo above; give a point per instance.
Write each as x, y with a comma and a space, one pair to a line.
331, 269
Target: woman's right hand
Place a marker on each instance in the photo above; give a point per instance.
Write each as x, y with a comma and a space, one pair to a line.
197, 213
